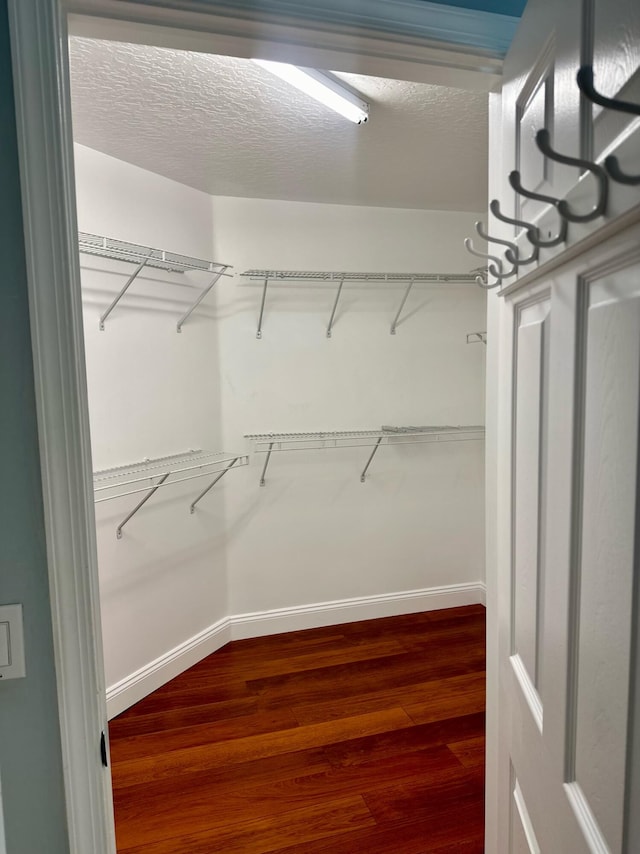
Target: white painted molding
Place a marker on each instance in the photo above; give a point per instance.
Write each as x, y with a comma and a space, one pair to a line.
484, 33
482, 593
38, 28
206, 27
348, 610
157, 673
152, 676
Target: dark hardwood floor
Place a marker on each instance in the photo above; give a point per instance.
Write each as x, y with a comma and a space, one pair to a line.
365, 738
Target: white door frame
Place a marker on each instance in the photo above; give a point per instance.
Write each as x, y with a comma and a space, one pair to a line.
39, 30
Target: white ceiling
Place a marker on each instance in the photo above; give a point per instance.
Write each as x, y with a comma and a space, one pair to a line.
228, 127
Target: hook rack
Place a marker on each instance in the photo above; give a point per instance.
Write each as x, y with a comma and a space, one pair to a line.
150, 475
341, 277
269, 443
144, 256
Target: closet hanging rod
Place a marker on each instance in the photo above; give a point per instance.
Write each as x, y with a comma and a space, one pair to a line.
269, 443
339, 278
117, 489
158, 471
147, 467
120, 250
329, 439
109, 487
145, 256
321, 276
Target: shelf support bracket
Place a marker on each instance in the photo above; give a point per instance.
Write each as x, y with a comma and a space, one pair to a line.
335, 307
202, 295
140, 503
404, 299
369, 461
266, 463
264, 298
192, 508
477, 338
129, 282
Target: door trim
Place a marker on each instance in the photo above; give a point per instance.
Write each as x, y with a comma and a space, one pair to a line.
50, 232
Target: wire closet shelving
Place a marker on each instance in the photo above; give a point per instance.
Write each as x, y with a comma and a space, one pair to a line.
145, 256
152, 474
339, 278
268, 443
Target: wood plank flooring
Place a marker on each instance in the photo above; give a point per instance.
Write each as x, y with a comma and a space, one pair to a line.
364, 738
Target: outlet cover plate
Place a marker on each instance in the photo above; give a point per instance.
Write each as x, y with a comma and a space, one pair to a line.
12, 664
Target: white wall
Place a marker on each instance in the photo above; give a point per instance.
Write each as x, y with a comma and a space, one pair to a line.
152, 392
314, 533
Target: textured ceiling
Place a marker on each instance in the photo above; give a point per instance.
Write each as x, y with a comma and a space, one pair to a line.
228, 127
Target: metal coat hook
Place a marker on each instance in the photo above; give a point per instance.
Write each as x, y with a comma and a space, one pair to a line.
496, 270
512, 254
482, 278
584, 79
586, 86
516, 184
533, 234
482, 281
531, 230
613, 168
544, 144
500, 240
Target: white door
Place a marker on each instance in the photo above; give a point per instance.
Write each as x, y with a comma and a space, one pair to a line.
563, 600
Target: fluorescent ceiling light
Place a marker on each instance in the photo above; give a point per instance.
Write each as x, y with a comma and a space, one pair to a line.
324, 88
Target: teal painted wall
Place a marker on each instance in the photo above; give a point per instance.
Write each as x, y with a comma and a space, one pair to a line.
30, 760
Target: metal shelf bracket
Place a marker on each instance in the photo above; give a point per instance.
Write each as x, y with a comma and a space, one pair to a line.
266, 463
264, 298
404, 299
128, 284
151, 474
335, 307
363, 476
202, 295
192, 508
477, 338
130, 515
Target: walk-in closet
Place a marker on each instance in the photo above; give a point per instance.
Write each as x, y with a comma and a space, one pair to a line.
285, 353
321, 368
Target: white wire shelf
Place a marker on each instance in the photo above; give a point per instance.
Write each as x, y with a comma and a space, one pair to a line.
340, 277
145, 256
151, 474
268, 443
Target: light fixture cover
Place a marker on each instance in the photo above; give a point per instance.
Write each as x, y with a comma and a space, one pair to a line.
323, 87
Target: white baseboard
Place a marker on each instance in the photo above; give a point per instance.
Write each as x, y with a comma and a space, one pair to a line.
482, 592
260, 623
348, 610
152, 676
